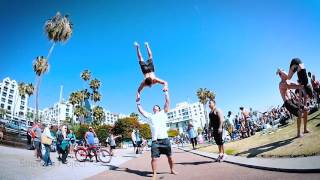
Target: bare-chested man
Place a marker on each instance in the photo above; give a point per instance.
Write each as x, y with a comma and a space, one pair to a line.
289, 104
245, 120
147, 69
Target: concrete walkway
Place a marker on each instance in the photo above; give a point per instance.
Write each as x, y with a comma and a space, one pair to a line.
21, 164
194, 167
300, 164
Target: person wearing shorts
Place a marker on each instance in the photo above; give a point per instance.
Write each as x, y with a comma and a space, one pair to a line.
147, 69
289, 103
160, 141
216, 121
306, 92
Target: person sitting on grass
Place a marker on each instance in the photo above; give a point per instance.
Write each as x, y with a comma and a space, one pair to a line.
147, 69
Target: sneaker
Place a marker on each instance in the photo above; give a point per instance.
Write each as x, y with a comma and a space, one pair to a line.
218, 159
223, 158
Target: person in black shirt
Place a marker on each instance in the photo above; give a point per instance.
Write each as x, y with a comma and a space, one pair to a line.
297, 65
215, 124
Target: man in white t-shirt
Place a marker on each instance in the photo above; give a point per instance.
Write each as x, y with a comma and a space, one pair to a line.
160, 142
133, 139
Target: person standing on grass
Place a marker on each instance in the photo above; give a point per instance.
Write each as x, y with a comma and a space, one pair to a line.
160, 141
305, 93
289, 103
216, 121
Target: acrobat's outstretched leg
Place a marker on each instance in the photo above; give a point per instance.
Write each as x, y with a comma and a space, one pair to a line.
148, 49
138, 52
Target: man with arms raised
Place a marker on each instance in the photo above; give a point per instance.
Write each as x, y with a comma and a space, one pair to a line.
160, 142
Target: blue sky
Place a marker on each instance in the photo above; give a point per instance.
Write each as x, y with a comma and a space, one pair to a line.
230, 47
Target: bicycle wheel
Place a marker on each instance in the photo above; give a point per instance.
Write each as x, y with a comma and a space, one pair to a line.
104, 156
81, 155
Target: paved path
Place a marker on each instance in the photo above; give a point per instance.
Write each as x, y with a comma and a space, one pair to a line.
191, 166
298, 164
21, 164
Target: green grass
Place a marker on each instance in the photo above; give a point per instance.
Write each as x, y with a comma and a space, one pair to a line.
281, 143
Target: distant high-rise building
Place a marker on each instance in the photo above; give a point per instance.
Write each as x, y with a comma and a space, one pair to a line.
10, 100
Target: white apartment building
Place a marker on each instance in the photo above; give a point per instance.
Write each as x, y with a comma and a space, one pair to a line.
58, 113
11, 101
180, 116
111, 117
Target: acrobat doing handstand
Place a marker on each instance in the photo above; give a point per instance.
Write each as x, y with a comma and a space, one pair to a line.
147, 69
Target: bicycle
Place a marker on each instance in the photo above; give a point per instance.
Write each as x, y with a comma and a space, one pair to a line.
103, 155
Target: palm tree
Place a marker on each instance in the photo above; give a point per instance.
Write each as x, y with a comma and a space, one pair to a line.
210, 95
202, 96
58, 29
22, 89
95, 84
40, 66
86, 75
74, 98
98, 115
86, 94
29, 89
96, 96
80, 111
134, 115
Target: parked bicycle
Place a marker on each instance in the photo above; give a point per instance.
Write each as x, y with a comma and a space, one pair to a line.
103, 155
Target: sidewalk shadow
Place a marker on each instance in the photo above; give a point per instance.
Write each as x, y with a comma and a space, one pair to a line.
253, 152
195, 163
133, 171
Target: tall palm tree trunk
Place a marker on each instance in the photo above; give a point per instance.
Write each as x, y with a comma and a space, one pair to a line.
50, 50
37, 97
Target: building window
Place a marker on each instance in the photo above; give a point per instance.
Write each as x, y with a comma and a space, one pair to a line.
4, 94
22, 103
3, 99
9, 108
11, 91
10, 96
5, 89
12, 86
10, 102
21, 107
7, 83
2, 105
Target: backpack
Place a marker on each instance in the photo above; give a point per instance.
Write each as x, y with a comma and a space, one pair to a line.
33, 134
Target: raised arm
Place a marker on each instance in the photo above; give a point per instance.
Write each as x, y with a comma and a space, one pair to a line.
164, 83
148, 49
167, 103
138, 51
140, 109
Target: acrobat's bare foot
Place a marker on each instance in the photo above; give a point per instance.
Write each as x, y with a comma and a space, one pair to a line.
174, 172
154, 176
146, 44
307, 131
136, 44
165, 89
299, 135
